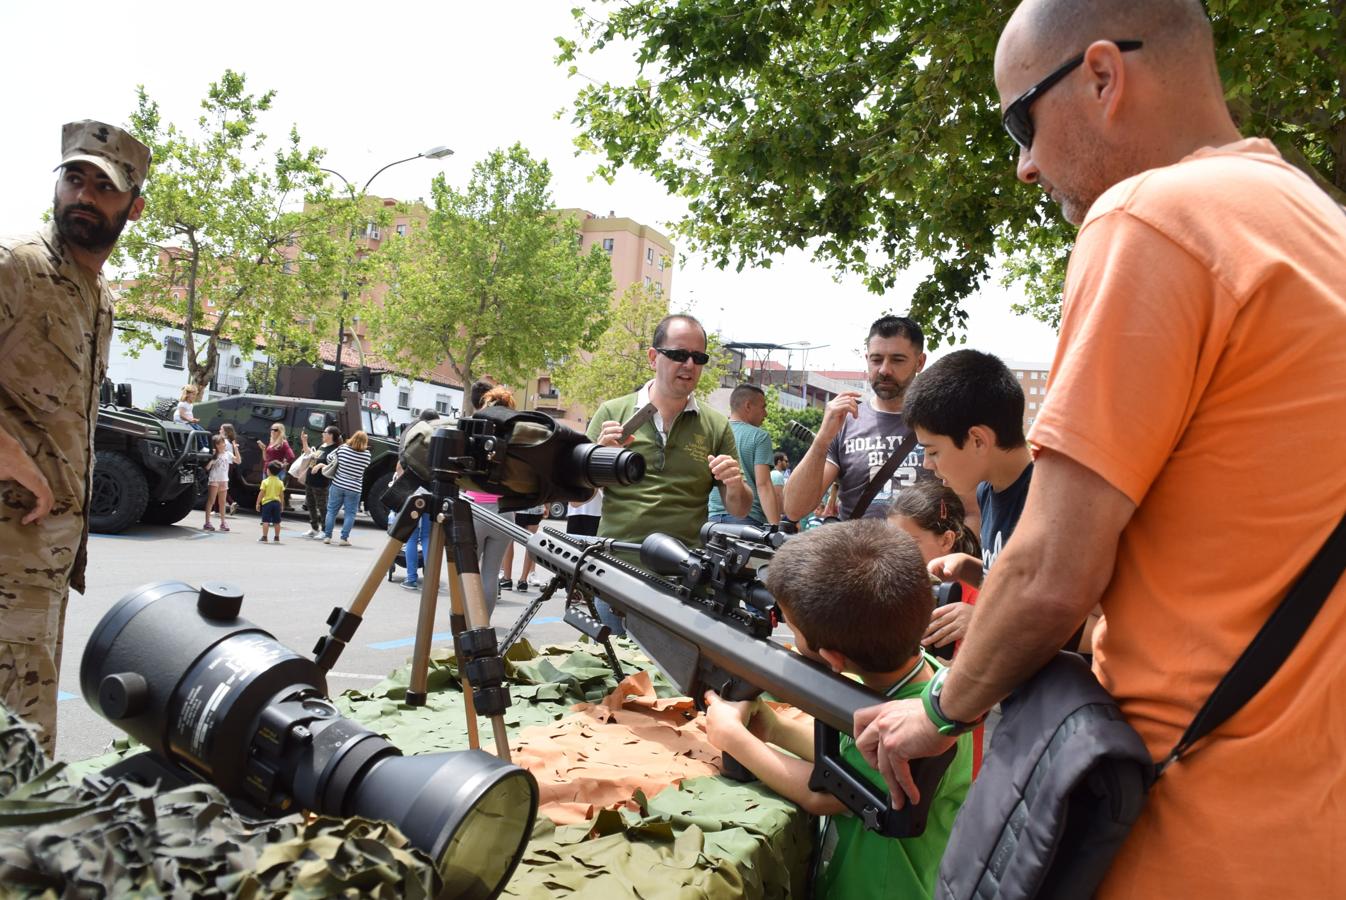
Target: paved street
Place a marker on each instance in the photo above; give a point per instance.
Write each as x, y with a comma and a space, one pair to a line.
288, 590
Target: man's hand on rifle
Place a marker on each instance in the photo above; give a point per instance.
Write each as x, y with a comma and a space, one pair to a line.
892, 734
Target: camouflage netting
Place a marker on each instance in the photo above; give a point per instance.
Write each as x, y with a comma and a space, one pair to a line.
699, 836
59, 839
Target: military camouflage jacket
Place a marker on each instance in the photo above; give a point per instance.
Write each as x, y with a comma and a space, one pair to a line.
55, 330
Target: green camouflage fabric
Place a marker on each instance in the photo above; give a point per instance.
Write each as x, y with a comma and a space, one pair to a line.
62, 839
121, 157
709, 838
55, 330
712, 838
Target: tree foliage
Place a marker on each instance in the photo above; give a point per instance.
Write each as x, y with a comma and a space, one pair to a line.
777, 424
870, 131
494, 281
226, 248
619, 363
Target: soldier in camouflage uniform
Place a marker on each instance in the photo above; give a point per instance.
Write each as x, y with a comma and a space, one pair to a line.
55, 328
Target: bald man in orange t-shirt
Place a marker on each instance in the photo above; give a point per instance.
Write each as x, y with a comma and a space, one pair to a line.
1189, 454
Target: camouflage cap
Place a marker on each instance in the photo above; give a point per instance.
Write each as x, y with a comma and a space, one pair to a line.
123, 158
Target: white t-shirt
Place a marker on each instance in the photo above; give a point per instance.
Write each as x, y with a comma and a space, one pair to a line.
183, 413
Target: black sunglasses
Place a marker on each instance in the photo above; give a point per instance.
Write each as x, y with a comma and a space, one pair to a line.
681, 356
1017, 120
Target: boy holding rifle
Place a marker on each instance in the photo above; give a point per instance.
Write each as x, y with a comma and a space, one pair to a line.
857, 596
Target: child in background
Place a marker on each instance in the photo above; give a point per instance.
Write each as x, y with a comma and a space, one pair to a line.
183, 412
933, 515
217, 476
857, 597
269, 496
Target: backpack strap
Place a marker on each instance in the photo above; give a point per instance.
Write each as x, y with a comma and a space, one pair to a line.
882, 476
1272, 645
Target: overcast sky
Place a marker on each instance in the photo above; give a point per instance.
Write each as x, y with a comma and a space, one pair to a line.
372, 83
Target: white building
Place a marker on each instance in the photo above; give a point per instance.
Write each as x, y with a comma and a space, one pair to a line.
160, 374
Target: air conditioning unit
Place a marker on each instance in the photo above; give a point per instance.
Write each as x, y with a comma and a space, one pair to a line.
415, 413
236, 360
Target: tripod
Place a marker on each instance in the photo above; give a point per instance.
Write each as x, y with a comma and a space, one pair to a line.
480, 665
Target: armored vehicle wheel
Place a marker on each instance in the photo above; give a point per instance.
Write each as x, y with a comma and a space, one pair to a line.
120, 493
170, 512
378, 486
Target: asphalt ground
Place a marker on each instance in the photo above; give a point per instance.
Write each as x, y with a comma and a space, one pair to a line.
289, 588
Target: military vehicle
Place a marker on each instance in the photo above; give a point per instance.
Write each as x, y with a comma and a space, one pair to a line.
252, 416
145, 469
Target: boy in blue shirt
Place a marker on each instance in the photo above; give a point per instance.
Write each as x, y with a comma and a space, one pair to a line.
857, 596
967, 410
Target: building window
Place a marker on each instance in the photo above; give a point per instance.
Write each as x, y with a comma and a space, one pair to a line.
1030, 421
1032, 406
663, 262
372, 231
608, 244
648, 281
442, 404
658, 289
649, 254
173, 353
404, 398
1019, 375
401, 230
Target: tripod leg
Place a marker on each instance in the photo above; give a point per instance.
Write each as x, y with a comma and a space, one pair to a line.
425, 620
343, 622
478, 643
458, 624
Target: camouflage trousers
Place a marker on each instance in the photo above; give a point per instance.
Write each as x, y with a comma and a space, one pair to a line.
35, 563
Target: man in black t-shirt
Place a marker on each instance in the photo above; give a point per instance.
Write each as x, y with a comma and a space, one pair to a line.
967, 410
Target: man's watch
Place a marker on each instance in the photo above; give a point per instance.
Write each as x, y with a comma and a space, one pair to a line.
930, 700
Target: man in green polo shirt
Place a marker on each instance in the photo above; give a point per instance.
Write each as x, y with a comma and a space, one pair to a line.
689, 450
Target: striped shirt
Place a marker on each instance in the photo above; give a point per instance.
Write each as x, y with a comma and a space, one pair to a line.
351, 465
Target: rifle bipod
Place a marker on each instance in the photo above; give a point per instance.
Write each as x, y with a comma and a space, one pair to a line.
576, 616
480, 665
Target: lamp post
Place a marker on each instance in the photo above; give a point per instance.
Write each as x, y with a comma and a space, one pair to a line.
805, 346
439, 152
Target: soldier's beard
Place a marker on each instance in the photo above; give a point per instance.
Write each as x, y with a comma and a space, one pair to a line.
95, 236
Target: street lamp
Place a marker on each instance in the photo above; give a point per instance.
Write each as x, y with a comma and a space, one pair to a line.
805, 346
438, 152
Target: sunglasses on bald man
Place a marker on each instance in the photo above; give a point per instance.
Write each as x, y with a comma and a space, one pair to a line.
1017, 120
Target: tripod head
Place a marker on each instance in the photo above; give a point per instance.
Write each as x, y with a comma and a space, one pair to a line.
524, 456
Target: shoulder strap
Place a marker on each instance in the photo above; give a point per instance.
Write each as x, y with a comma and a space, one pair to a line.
882, 476
1273, 643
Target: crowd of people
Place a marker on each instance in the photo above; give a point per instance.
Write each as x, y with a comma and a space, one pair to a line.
1182, 473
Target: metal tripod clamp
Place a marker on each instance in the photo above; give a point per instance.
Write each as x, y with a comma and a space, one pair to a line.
485, 668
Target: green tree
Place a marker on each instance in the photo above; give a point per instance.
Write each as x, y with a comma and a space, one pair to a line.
870, 131
494, 280
777, 424
620, 363
234, 244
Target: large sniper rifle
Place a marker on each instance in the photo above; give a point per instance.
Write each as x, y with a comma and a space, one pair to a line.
705, 619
